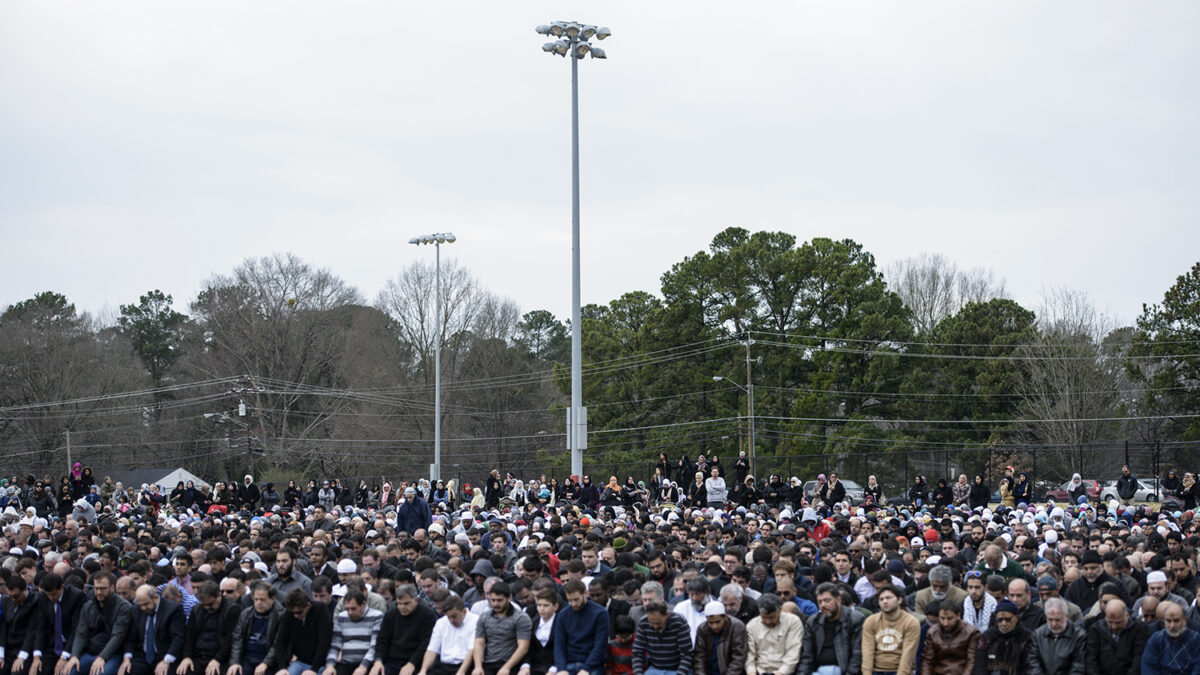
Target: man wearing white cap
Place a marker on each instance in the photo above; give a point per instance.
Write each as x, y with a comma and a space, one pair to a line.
721, 643
1157, 586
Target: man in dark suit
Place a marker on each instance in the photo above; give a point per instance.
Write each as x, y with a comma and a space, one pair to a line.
16, 637
156, 635
598, 592
58, 613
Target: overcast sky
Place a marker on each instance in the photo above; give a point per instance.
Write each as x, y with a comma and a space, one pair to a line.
152, 145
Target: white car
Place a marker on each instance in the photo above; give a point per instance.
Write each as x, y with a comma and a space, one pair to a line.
1144, 493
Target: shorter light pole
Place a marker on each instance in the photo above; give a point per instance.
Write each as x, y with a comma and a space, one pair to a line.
749, 391
437, 240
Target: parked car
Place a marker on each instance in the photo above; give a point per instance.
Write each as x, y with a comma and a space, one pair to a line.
1061, 494
854, 491
1144, 493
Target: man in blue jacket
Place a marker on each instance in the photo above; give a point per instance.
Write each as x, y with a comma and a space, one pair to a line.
580, 633
413, 513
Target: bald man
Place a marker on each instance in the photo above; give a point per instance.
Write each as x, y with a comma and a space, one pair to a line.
1115, 645
155, 639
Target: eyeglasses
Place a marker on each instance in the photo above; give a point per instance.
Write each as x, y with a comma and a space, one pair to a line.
1006, 619
974, 574
783, 594
229, 591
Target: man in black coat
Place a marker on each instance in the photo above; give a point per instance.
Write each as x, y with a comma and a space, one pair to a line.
59, 607
1115, 645
16, 628
156, 633
208, 638
598, 593
403, 635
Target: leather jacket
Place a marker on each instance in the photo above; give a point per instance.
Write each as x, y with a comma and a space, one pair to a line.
950, 653
1061, 654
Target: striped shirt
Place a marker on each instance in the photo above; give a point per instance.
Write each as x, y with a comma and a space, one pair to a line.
668, 649
353, 641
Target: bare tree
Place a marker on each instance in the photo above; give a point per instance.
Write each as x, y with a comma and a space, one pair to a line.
934, 288
1071, 383
277, 322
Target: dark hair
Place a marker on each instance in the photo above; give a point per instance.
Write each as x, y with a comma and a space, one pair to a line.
51, 582
208, 589
623, 625
297, 599
573, 586
356, 595
827, 587
768, 604
501, 588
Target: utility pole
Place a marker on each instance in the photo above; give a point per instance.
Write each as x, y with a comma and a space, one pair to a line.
69, 464
750, 395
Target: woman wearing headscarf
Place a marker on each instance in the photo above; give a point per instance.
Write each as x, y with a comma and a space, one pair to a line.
387, 497
270, 497
517, 494
190, 495
65, 502
1075, 488
873, 493
362, 495
684, 470
918, 494
818, 490
1188, 491
441, 496
981, 494
176, 496
611, 495
833, 491
942, 496
292, 495
477, 499
669, 493
961, 490
106, 488
1024, 489
1171, 484
76, 481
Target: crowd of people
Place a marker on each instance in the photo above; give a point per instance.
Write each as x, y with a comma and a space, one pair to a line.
539, 577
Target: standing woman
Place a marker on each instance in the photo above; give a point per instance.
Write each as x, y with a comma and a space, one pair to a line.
1008, 495
292, 495
962, 490
833, 492
942, 496
1023, 492
663, 465
698, 494
981, 494
683, 470
918, 494
873, 492
1188, 492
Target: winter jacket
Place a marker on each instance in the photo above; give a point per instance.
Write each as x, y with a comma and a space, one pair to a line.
847, 642
1002, 652
962, 493
241, 633
1061, 654
1106, 656
1127, 486
950, 653
731, 649
980, 495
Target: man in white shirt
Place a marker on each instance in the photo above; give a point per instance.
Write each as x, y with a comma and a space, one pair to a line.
692, 609
452, 640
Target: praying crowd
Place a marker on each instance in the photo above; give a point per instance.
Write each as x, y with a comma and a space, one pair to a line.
611, 578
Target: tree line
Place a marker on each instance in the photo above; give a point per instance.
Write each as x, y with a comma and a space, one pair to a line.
286, 368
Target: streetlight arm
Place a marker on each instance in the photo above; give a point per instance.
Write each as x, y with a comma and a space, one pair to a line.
718, 378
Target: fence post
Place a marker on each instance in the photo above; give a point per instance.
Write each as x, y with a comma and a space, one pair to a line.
1126, 452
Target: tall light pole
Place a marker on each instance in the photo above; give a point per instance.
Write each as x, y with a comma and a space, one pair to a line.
573, 40
437, 240
749, 391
